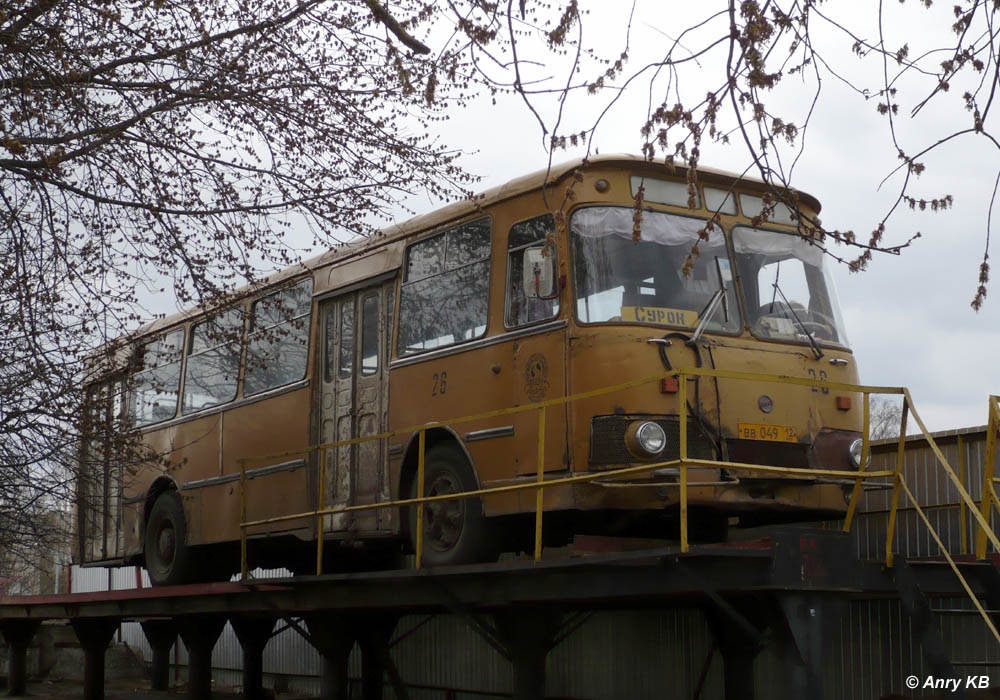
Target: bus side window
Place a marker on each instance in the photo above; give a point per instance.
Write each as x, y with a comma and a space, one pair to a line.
520, 309
157, 383
278, 344
445, 297
390, 308
213, 365
369, 335
329, 363
346, 337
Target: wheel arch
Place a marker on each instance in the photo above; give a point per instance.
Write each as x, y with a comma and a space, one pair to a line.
162, 484
435, 436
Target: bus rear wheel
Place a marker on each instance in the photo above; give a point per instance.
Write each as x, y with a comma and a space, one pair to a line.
169, 560
454, 532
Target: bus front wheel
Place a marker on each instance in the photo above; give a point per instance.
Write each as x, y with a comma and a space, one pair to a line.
454, 532
169, 559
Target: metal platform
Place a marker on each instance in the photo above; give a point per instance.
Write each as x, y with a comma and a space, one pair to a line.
784, 589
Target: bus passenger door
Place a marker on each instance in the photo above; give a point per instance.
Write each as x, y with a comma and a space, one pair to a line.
354, 404
99, 485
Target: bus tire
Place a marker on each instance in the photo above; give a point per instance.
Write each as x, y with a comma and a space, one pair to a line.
455, 532
169, 560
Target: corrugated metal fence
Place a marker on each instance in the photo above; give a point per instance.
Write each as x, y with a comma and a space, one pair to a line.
665, 653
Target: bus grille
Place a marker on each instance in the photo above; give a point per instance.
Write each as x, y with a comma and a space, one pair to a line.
607, 440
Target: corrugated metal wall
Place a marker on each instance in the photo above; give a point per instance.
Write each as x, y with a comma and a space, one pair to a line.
662, 653
933, 489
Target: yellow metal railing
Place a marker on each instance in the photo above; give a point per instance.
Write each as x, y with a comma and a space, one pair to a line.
981, 512
988, 499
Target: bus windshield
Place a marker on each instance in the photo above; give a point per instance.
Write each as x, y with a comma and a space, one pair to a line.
619, 279
789, 293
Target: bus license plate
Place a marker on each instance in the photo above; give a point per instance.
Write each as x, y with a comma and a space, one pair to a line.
770, 433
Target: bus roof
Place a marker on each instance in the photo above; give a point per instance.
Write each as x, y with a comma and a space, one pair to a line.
456, 210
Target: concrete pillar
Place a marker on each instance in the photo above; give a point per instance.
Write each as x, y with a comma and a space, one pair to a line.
161, 635
739, 640
374, 632
333, 636
737, 669
528, 635
18, 634
94, 636
200, 635
254, 634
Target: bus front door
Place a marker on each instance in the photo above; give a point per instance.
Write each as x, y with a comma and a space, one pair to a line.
354, 404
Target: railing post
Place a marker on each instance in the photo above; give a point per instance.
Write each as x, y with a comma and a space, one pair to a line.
320, 505
865, 447
421, 443
986, 498
896, 482
963, 478
243, 518
682, 401
539, 496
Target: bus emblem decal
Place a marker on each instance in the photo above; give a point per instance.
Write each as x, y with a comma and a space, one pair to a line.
536, 377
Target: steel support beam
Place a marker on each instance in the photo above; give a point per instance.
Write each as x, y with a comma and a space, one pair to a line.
922, 622
18, 634
161, 635
254, 634
199, 635
810, 621
94, 636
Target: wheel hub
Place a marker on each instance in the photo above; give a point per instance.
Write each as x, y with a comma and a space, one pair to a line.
443, 520
165, 545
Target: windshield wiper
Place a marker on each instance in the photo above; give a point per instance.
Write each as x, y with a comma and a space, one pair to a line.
712, 305
812, 341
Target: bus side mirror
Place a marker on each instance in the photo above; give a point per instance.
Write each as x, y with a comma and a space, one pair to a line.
538, 273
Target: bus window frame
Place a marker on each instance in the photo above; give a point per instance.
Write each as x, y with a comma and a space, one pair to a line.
251, 328
727, 240
404, 280
138, 361
391, 296
189, 344
508, 251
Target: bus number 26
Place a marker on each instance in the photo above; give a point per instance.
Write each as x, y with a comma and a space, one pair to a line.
440, 384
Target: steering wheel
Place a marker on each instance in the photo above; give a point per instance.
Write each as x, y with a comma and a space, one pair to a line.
778, 308
820, 330
818, 324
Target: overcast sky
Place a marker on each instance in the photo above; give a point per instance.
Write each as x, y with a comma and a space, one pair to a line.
908, 318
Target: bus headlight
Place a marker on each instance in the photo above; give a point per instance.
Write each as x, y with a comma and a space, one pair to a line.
645, 439
855, 452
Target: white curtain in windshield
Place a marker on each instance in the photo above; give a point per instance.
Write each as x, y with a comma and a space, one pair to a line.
778, 245
595, 222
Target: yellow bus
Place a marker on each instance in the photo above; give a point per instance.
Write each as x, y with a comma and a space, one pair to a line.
557, 283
